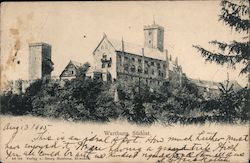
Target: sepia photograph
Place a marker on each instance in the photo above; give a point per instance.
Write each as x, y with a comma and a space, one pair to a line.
125, 81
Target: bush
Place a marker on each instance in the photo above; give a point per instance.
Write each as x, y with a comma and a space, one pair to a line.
93, 100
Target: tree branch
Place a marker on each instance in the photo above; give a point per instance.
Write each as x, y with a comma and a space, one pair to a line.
240, 49
234, 21
217, 57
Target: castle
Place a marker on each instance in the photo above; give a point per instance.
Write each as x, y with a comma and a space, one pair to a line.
125, 61
117, 60
114, 61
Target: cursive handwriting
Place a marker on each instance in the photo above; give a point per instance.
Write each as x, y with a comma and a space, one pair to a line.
41, 143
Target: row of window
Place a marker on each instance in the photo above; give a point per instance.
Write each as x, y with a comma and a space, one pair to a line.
148, 63
148, 81
139, 70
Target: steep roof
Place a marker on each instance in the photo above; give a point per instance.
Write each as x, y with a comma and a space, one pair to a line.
77, 64
137, 49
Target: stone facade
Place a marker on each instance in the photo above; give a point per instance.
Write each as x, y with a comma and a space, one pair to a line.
127, 62
131, 67
154, 37
40, 64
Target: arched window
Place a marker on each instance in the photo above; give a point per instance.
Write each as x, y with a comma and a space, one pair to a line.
126, 67
132, 68
109, 62
139, 69
146, 71
158, 65
104, 56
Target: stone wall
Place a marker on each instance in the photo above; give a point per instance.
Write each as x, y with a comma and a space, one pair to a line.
131, 67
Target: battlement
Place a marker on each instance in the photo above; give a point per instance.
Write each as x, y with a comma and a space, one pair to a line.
153, 26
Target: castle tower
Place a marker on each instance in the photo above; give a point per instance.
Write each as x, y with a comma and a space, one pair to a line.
40, 64
154, 37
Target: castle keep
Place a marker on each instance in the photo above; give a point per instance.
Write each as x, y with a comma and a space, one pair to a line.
40, 64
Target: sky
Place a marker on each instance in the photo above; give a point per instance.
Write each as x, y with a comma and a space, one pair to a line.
74, 29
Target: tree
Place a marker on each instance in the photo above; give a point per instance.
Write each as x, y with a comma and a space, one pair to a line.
82, 70
234, 14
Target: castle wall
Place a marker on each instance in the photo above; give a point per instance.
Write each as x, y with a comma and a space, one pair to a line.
35, 62
131, 67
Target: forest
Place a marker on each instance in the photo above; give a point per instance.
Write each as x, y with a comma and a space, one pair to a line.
83, 99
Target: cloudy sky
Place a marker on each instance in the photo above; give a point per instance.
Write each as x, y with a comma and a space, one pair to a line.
75, 28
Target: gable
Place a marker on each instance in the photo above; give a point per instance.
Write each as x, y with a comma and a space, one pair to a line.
69, 71
104, 45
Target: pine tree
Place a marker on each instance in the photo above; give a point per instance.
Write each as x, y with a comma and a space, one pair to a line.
234, 14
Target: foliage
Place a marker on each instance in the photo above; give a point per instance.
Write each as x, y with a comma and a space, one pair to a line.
234, 14
93, 100
82, 70
84, 99
232, 103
